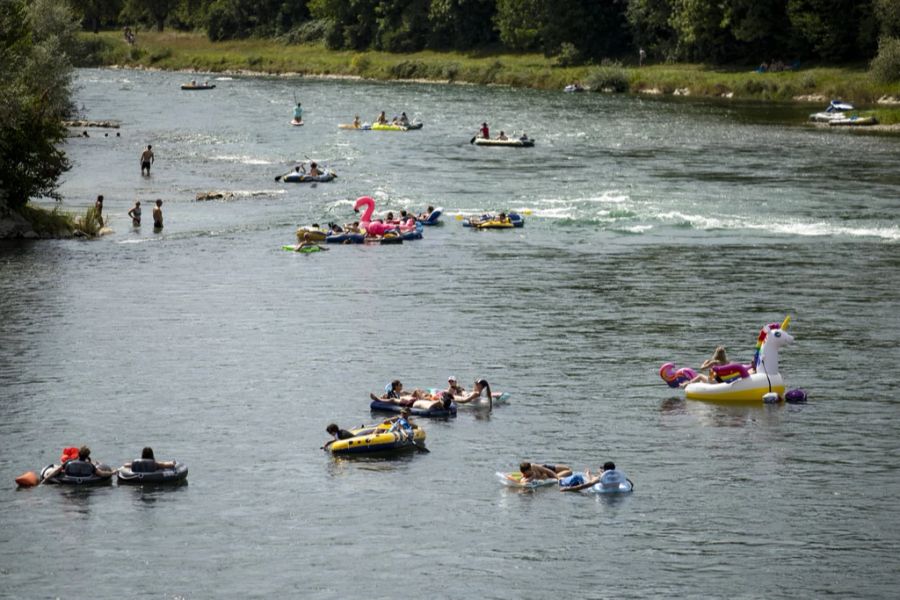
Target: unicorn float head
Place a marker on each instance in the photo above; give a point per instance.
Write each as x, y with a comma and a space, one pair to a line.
735, 381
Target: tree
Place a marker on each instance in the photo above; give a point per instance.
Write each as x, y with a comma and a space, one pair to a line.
462, 24
35, 94
152, 11
519, 22
834, 30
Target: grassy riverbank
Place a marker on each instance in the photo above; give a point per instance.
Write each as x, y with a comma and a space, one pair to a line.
192, 51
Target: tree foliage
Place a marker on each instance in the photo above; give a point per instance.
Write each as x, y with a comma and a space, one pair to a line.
35, 94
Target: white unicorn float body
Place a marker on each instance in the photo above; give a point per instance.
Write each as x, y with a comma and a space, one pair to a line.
740, 383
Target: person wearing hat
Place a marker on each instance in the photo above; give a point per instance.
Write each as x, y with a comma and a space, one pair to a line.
454, 388
718, 359
402, 424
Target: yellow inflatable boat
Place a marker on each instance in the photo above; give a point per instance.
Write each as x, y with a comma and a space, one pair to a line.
374, 439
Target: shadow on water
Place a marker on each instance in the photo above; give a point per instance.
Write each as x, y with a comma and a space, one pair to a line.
151, 494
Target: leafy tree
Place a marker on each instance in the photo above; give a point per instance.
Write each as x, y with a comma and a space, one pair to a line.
698, 25
833, 30
35, 92
148, 11
888, 15
761, 27
519, 22
650, 28
97, 13
461, 24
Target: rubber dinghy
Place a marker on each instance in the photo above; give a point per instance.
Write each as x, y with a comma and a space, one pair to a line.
295, 177
198, 86
494, 222
392, 127
510, 143
377, 439
759, 381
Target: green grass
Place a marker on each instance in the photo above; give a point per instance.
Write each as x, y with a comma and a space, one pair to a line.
193, 51
88, 224
48, 223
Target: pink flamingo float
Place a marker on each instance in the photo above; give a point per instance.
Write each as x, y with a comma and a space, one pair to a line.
375, 227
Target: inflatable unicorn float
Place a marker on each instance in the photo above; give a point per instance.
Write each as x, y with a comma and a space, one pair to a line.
408, 230
760, 381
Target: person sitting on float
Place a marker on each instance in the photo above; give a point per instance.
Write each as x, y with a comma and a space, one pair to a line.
718, 359
427, 214
482, 387
314, 169
149, 462
73, 467
533, 471
356, 122
454, 388
502, 136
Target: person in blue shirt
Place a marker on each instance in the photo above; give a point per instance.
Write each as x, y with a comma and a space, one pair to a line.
298, 112
402, 424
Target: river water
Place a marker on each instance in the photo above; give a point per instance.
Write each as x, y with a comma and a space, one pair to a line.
656, 230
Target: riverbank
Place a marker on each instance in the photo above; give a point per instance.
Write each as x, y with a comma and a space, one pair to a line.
33, 222
194, 52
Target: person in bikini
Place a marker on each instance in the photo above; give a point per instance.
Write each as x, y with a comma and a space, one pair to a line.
533, 471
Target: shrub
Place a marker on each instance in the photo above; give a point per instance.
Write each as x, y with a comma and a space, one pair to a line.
89, 224
161, 54
407, 69
360, 63
569, 55
610, 77
48, 223
307, 33
885, 67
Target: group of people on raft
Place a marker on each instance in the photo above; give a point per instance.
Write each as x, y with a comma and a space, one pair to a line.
434, 400
485, 133
569, 480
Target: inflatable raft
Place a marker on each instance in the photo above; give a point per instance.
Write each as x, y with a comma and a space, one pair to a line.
376, 439
392, 127
510, 143
345, 237
433, 218
145, 471
737, 383
198, 86
295, 177
363, 127
514, 479
613, 482
383, 406
76, 472
492, 222
306, 250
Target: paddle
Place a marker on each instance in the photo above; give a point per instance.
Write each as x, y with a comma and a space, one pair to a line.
474, 137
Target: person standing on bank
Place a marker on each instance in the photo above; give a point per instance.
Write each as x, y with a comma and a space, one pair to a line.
147, 159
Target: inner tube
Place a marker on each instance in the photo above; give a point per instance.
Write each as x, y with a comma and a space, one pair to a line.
510, 143
376, 439
176, 474
86, 477
433, 218
345, 237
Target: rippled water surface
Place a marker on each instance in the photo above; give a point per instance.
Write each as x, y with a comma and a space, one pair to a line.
655, 231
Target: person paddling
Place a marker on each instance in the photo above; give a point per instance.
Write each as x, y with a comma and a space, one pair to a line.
298, 113
485, 132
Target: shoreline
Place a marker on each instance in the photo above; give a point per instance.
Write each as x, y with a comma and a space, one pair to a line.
194, 53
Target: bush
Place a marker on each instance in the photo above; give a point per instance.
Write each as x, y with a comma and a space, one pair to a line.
48, 223
89, 224
159, 55
307, 33
568, 55
407, 69
360, 63
885, 67
611, 77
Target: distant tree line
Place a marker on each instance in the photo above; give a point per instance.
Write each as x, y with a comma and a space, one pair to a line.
712, 31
